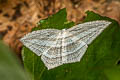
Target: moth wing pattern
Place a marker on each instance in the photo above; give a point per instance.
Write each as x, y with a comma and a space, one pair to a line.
88, 31
70, 53
39, 41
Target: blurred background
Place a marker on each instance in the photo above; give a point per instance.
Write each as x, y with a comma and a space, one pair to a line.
18, 17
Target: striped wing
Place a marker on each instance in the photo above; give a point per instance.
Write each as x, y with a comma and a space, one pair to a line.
69, 53
88, 31
41, 41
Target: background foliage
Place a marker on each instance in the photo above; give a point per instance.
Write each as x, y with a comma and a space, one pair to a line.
10, 68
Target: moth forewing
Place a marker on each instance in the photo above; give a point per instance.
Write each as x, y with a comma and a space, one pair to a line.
88, 31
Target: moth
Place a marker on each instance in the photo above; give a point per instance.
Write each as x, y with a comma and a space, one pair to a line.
57, 47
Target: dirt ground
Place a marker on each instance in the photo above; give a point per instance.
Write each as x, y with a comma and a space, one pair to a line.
18, 17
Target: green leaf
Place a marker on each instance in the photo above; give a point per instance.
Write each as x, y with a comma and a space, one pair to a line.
113, 73
57, 21
101, 54
10, 69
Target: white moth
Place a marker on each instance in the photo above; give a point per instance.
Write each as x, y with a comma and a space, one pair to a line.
57, 47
